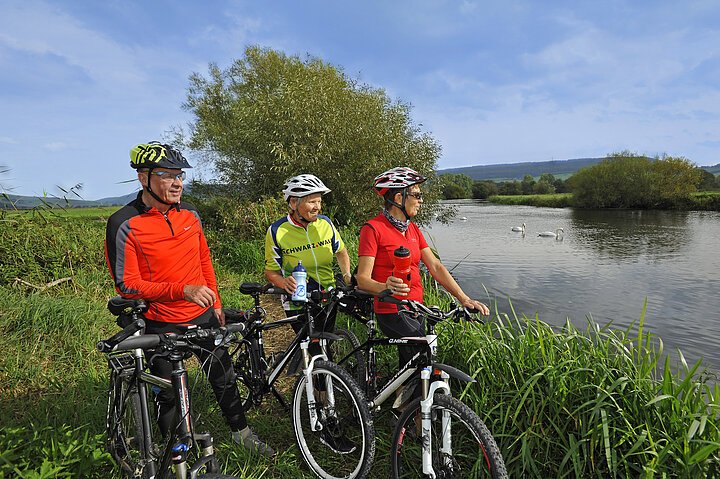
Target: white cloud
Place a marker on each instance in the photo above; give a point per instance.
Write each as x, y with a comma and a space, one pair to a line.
55, 146
56, 33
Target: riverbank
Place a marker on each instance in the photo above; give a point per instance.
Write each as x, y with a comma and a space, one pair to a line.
700, 201
566, 403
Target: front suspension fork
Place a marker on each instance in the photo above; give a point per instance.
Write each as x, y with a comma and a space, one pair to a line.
429, 389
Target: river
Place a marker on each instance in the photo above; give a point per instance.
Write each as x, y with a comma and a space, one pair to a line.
606, 265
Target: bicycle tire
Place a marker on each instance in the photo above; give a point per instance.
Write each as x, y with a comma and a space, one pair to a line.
355, 364
124, 425
349, 422
474, 451
243, 375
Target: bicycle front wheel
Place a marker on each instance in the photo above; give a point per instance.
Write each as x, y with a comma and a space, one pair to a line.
340, 351
461, 444
126, 440
345, 446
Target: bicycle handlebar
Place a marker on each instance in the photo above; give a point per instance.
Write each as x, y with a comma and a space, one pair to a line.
172, 340
456, 311
108, 344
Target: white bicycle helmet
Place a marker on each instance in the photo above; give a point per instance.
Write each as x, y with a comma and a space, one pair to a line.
304, 185
398, 177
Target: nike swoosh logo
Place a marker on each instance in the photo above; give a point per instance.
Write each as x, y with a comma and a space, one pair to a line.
187, 228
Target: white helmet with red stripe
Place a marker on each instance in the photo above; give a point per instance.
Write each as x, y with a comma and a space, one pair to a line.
398, 177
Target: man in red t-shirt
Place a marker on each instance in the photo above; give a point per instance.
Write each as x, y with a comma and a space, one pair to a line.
379, 237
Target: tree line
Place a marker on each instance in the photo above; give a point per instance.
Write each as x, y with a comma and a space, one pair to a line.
270, 116
621, 180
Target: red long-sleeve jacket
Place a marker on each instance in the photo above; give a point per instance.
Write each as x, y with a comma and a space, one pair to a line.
153, 256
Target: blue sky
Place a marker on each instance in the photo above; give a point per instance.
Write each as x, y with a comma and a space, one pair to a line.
493, 81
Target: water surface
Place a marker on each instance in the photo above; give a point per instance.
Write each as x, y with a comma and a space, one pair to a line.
607, 263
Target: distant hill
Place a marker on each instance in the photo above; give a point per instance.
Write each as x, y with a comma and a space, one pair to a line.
516, 171
28, 202
715, 169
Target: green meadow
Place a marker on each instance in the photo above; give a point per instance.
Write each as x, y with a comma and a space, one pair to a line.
561, 402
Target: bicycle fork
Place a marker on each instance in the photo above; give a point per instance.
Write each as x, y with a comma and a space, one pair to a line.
429, 390
329, 400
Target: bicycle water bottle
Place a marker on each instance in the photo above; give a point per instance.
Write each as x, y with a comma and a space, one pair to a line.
300, 275
401, 264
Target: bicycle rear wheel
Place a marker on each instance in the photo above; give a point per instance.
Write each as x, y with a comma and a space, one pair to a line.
461, 446
345, 447
339, 349
126, 441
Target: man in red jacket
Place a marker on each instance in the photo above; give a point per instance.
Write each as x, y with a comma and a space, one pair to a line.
156, 250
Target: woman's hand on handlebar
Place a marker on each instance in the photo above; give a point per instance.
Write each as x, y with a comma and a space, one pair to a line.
474, 306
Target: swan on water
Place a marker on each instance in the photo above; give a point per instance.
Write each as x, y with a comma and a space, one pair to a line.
549, 234
519, 228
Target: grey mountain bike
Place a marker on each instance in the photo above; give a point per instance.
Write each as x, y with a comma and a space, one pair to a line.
134, 441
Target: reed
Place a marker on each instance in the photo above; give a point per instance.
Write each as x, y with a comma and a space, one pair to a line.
597, 402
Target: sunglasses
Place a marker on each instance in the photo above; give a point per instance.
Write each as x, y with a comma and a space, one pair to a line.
166, 176
416, 195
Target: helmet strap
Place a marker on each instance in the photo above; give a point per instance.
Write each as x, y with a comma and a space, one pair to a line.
401, 207
152, 193
295, 214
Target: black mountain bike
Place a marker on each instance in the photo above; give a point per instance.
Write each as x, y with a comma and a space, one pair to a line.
133, 438
330, 418
436, 435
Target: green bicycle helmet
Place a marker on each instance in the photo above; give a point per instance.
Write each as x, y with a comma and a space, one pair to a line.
156, 155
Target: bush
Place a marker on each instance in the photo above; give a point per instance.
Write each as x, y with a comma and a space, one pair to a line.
626, 180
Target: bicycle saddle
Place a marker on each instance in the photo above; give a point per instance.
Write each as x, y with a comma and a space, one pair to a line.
119, 305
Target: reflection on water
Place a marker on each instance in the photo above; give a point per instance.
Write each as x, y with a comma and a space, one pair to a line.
606, 265
628, 234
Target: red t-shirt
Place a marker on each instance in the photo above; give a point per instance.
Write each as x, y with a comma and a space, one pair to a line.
379, 238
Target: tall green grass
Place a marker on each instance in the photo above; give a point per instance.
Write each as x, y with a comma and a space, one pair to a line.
597, 402
592, 402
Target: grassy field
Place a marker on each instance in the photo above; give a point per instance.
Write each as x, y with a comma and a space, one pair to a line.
592, 402
700, 201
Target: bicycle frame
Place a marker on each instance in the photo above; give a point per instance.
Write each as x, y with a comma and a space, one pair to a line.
253, 336
424, 363
181, 436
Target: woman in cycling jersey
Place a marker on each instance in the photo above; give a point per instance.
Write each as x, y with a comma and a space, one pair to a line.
380, 237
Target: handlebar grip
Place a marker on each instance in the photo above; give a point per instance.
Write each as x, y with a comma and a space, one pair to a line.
107, 345
386, 296
146, 341
235, 327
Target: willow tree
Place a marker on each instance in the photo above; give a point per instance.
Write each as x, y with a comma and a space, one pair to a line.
627, 180
270, 116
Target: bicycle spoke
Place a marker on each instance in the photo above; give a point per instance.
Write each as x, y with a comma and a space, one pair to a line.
344, 447
461, 445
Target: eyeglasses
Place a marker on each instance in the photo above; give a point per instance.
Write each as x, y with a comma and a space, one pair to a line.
416, 195
169, 177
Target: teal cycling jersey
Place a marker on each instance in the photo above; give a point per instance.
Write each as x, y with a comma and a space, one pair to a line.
286, 243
